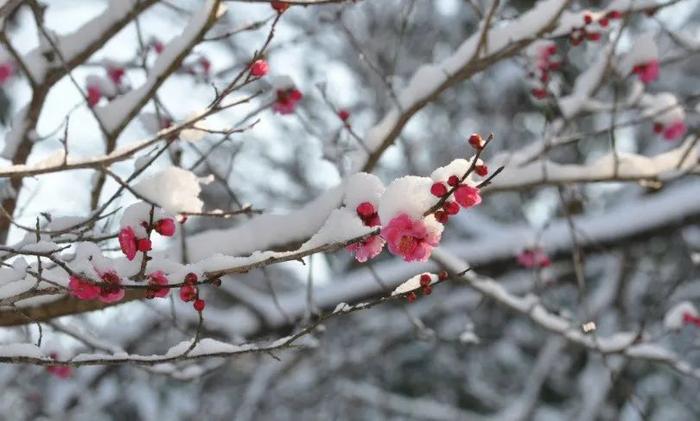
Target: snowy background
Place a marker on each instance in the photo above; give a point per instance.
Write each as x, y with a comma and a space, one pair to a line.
595, 183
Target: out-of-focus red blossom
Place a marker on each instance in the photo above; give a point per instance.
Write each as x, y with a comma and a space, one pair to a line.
7, 69
689, 318
188, 293
593, 36
111, 290
287, 100
658, 127
539, 93
410, 238
344, 115
614, 14
647, 72
534, 258
60, 371
367, 249
82, 289
674, 130
411, 297
94, 94
467, 196
206, 65
199, 305
587, 19
259, 68
127, 242
116, 74
165, 227
156, 280
279, 6
158, 46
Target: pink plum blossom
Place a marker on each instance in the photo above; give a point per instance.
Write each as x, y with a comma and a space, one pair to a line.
111, 290
83, 289
128, 243
156, 280
367, 249
467, 196
410, 238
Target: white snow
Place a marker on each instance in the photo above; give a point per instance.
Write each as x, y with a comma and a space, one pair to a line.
174, 189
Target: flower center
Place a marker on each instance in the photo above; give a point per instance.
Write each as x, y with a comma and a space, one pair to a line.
407, 244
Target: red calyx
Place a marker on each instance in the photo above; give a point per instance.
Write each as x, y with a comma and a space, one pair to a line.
441, 216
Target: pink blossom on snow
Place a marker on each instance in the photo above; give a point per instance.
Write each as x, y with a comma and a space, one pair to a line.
127, 242
111, 290
467, 196
410, 238
367, 249
83, 289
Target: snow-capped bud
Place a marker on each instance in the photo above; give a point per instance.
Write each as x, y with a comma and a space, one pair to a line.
259, 68
476, 141
438, 189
